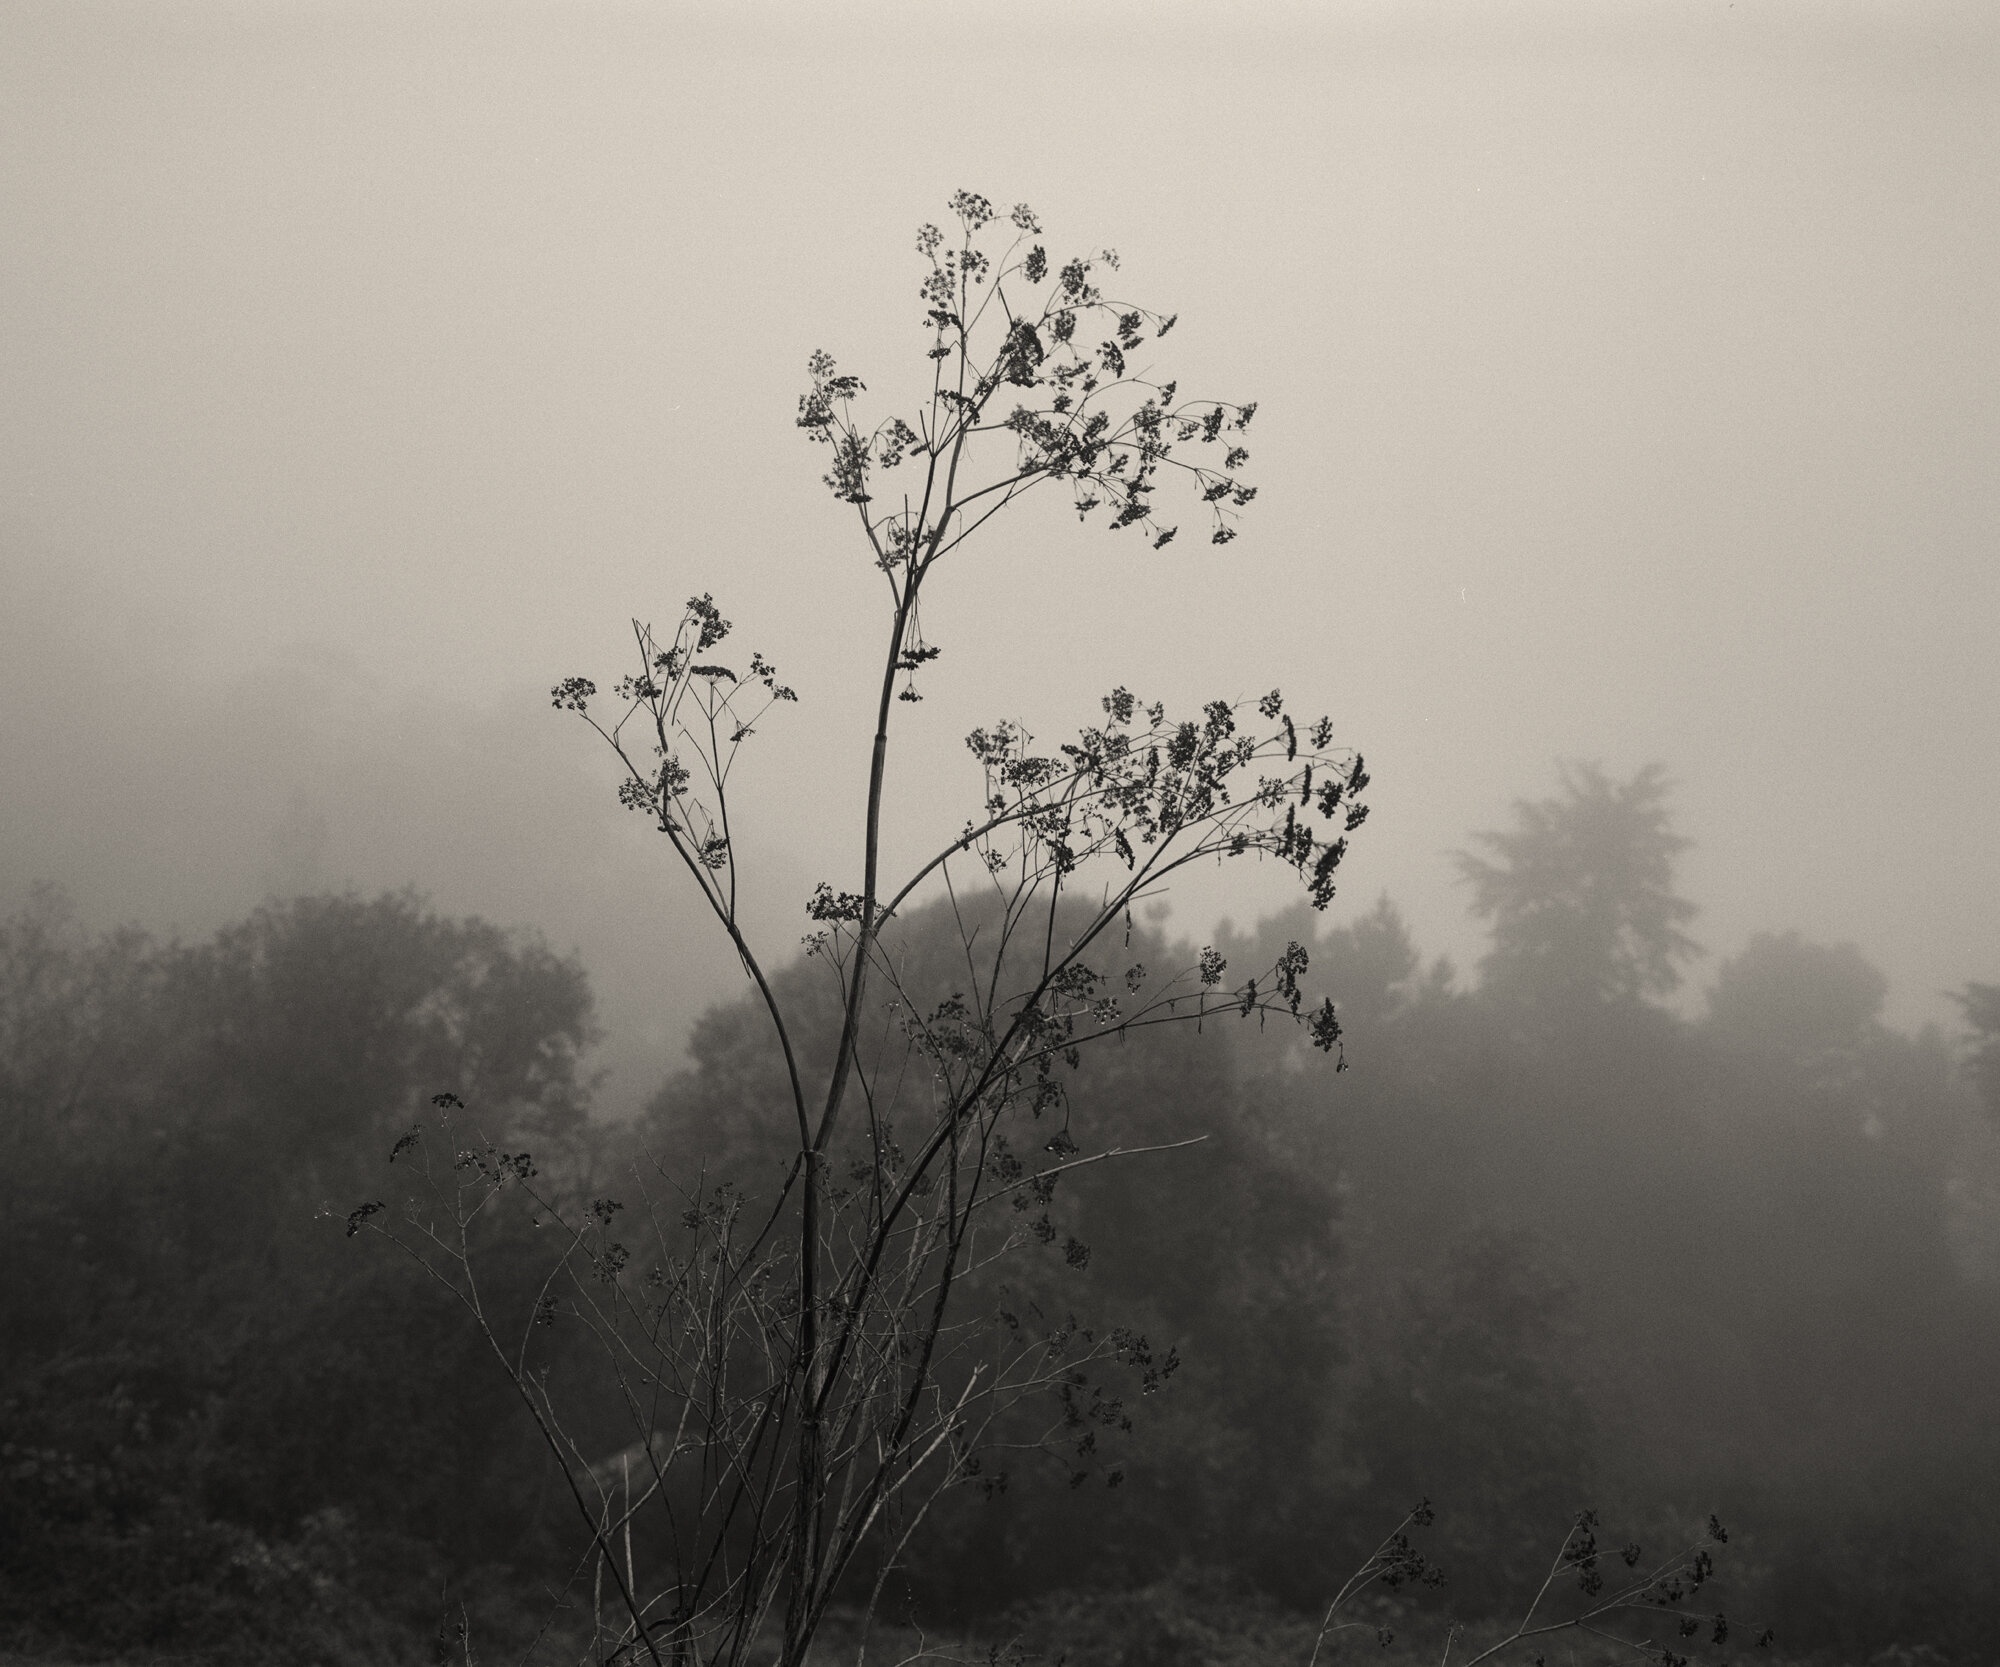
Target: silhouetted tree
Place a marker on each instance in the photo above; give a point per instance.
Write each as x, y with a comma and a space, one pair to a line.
1815, 1005
1981, 1003
1580, 895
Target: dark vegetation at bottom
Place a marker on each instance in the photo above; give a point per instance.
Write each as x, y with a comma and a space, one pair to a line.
1546, 1244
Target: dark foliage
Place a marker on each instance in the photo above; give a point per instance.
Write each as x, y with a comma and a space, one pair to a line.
1747, 1259
274, 1444
1223, 1249
1982, 1017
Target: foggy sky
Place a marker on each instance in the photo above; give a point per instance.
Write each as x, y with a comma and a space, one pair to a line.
1626, 380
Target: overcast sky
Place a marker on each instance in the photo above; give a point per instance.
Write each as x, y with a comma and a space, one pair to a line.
1627, 382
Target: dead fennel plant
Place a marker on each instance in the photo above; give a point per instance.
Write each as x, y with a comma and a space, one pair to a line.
800, 1380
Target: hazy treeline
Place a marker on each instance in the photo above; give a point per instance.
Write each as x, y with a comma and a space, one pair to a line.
220, 1426
1546, 1244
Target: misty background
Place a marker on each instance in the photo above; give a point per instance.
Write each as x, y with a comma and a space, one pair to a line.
1626, 384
